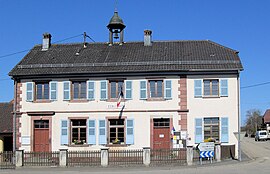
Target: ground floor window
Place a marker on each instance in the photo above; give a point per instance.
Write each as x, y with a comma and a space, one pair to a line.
78, 131
161, 122
116, 131
211, 128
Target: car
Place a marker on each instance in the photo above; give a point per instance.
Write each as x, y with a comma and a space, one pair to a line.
261, 135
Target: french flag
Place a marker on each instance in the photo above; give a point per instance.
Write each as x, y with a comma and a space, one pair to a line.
120, 96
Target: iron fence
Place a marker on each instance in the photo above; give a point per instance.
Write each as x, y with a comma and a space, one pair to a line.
168, 156
126, 157
84, 158
6, 161
41, 158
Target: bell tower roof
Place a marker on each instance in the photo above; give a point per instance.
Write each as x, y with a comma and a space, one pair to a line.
116, 22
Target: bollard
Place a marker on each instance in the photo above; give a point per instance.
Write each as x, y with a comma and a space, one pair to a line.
146, 156
104, 157
189, 155
218, 152
63, 157
19, 158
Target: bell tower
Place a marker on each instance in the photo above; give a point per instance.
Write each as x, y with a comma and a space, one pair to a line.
116, 26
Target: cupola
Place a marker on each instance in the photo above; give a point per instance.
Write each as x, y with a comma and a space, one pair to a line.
116, 26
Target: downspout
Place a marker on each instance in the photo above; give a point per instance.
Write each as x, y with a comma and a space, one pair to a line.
14, 119
239, 117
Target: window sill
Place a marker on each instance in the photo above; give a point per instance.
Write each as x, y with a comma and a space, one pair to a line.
78, 145
155, 99
116, 145
114, 100
211, 96
42, 101
79, 101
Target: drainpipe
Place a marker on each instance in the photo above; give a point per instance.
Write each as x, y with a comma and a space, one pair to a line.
14, 120
239, 117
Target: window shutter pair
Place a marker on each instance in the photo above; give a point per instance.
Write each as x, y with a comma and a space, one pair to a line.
91, 134
167, 89
30, 91
223, 88
104, 89
90, 90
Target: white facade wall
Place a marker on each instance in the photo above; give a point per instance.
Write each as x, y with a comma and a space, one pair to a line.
214, 107
134, 109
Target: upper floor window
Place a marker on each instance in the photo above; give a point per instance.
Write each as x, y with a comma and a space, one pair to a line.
116, 87
156, 88
79, 90
211, 87
42, 90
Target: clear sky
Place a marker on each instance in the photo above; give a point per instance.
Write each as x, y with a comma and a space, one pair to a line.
243, 25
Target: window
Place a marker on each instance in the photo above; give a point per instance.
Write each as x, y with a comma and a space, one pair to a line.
78, 131
161, 122
115, 88
156, 88
211, 128
116, 131
41, 124
211, 87
42, 90
79, 90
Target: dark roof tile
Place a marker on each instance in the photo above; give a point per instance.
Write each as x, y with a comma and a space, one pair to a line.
6, 117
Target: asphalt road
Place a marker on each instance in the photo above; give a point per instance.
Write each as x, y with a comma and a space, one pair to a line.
258, 152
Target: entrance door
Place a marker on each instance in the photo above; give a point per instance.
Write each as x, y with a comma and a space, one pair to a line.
161, 139
41, 136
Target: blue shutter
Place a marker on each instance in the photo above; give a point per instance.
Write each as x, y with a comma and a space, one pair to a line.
90, 90
223, 87
66, 89
198, 130
103, 90
224, 130
53, 90
130, 132
29, 91
143, 89
197, 88
102, 132
128, 89
168, 89
64, 132
91, 132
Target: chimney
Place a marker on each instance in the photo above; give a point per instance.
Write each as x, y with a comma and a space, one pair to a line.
147, 38
46, 43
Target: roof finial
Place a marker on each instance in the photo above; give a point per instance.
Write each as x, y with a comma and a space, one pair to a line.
115, 5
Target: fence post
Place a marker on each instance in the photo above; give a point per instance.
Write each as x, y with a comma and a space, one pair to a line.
19, 158
104, 156
218, 152
146, 156
63, 157
189, 155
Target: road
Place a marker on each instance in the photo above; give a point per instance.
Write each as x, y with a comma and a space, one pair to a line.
259, 152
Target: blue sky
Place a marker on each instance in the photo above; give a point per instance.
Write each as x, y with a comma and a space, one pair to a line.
242, 25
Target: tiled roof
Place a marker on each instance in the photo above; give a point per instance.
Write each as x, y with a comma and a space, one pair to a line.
266, 116
6, 117
162, 56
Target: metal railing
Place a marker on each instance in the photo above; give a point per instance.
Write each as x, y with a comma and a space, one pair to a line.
6, 161
84, 158
168, 156
126, 157
41, 158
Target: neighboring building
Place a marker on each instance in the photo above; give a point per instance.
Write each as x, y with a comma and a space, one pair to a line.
67, 94
266, 119
6, 127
